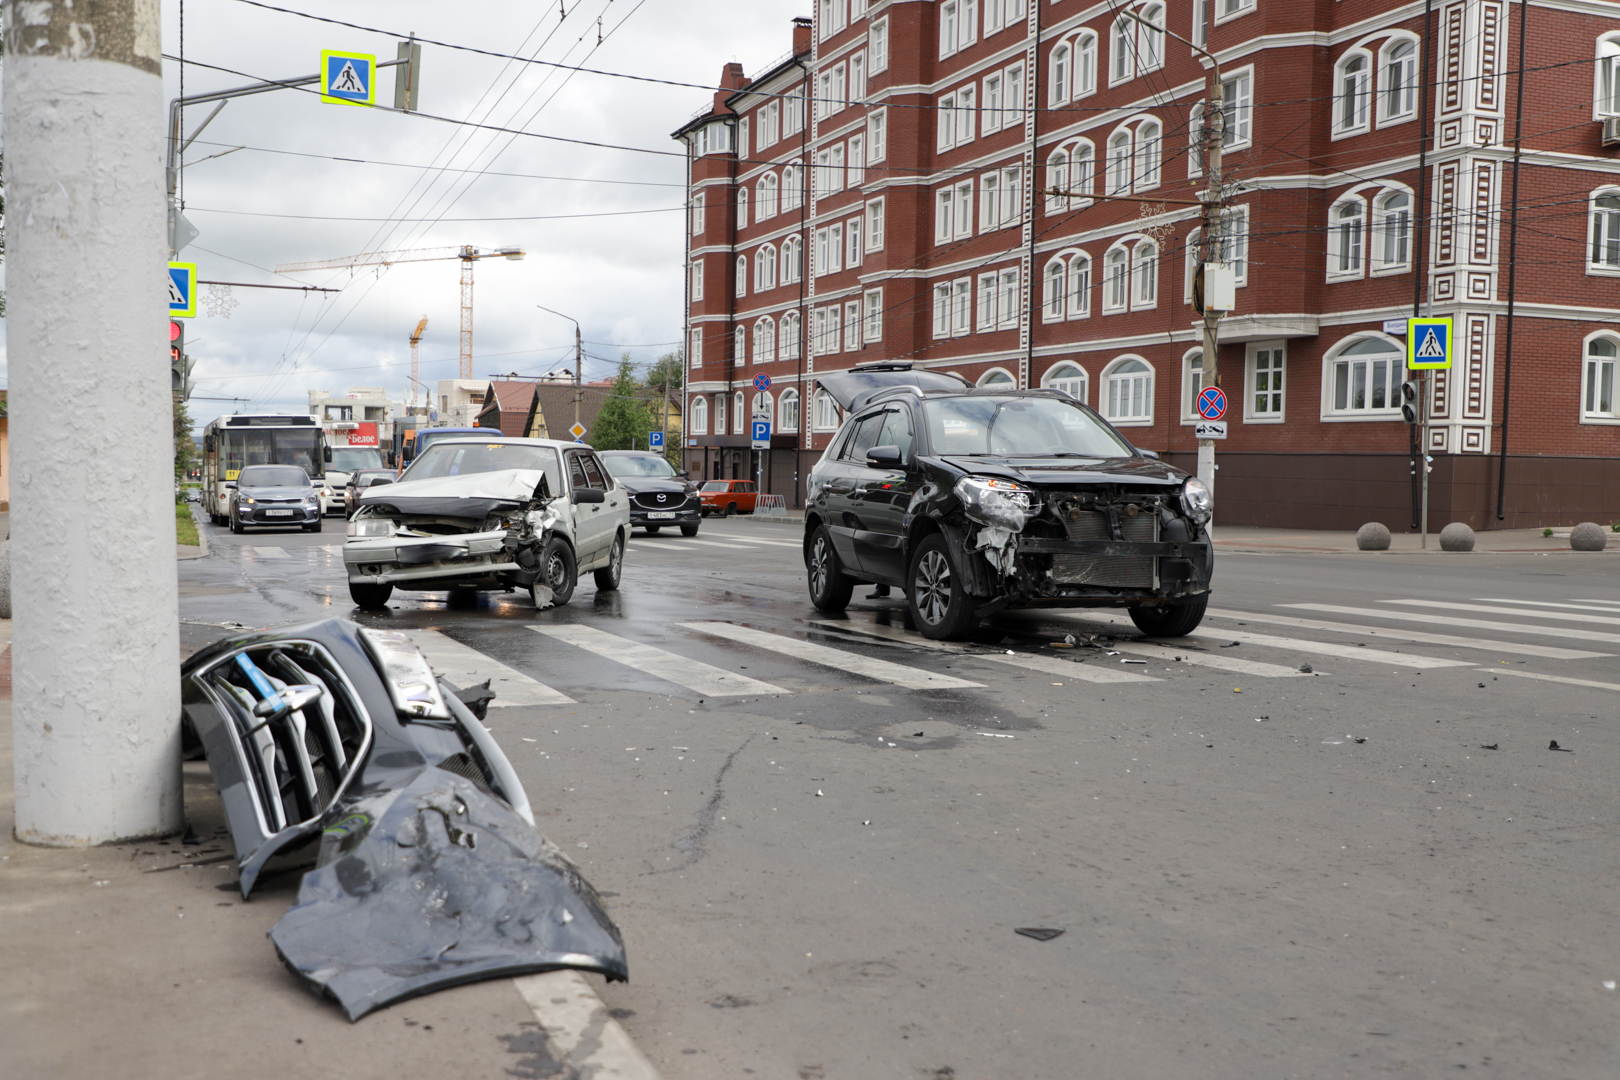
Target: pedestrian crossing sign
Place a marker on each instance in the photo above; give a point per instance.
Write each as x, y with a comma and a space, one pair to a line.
346, 78
1428, 343
182, 290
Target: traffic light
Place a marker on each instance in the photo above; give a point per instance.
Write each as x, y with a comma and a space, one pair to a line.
179, 362
1409, 401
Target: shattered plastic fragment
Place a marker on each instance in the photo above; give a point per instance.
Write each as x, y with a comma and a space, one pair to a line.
1039, 933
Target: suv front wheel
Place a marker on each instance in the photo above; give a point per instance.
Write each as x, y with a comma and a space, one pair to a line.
939, 604
1172, 620
830, 590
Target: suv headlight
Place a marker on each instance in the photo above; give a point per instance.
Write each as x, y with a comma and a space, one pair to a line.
1002, 504
370, 527
1196, 500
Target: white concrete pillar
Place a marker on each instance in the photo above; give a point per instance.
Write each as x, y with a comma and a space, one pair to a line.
95, 644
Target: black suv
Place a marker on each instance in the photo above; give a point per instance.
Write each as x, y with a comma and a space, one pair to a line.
659, 495
971, 501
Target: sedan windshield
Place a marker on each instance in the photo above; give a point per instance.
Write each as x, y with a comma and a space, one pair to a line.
272, 476
716, 485
466, 459
625, 465
1019, 427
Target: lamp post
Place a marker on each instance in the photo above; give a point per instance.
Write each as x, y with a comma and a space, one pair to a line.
579, 358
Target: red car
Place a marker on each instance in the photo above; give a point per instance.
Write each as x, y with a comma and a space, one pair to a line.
727, 497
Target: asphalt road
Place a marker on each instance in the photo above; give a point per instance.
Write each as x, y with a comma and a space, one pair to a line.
1376, 867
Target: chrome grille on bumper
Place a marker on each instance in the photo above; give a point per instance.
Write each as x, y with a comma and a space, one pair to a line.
659, 500
1111, 571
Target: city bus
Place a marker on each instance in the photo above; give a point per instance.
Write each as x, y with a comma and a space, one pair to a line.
231, 443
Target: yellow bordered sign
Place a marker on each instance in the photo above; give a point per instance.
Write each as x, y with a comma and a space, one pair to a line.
182, 290
348, 78
1428, 344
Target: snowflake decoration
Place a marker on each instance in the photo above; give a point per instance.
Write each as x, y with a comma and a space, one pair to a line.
218, 302
1158, 231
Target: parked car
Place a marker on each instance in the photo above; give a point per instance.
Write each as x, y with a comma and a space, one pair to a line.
659, 495
485, 514
358, 482
274, 495
728, 497
973, 501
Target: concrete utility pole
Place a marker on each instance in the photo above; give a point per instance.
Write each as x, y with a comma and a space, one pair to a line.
95, 646
1214, 206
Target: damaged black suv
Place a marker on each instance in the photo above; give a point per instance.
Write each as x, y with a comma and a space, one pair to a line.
972, 501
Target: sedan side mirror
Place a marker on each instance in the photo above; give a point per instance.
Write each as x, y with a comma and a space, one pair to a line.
1154, 454
381, 480
588, 495
884, 457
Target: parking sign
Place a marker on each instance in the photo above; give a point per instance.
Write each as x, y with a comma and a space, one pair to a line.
762, 435
655, 440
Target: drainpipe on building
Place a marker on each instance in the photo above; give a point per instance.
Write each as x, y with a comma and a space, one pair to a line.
1420, 226
1513, 266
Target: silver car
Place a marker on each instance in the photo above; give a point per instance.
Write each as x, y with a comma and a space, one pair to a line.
490, 514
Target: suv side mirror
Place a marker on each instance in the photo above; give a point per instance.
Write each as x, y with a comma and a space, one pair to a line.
1154, 454
588, 495
884, 457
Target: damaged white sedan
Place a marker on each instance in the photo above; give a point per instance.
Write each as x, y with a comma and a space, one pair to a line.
492, 514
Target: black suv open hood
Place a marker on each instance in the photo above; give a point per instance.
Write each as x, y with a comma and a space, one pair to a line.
854, 388
1069, 472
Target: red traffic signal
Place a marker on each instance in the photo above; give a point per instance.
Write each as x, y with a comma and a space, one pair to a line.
174, 330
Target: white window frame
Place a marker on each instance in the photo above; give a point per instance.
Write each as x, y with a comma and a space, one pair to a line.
1593, 366
872, 316
877, 135
950, 15
874, 225
793, 112
742, 208
1232, 9
961, 306
835, 248
765, 268
787, 411
877, 45
853, 248
1254, 412
1150, 37
792, 187
742, 275
1116, 280
990, 95
1120, 167
1148, 155
1200, 23
790, 337
1084, 63
942, 311
989, 379
739, 346
824, 412
739, 419
765, 340
1057, 179
1603, 229
1121, 50
1058, 87
791, 261
1054, 289
1237, 91
697, 278
1392, 358
1352, 94
1606, 76
694, 351
1069, 377
1008, 283
698, 421
1195, 140
1012, 92
1111, 376
832, 331
1340, 256
742, 135
1012, 195
1192, 384
852, 325
1406, 106
1077, 286
990, 201
857, 160
857, 78
765, 197
1144, 275
1381, 265
699, 214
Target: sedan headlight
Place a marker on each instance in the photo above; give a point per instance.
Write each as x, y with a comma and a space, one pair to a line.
1002, 504
370, 527
1197, 502
243, 500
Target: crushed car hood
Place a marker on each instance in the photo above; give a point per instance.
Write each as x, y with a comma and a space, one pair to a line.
1068, 472
472, 496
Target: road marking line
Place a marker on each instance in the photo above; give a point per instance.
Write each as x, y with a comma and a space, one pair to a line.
581, 1034
880, 670
685, 540
332, 549
270, 552
466, 666
891, 633
1552, 678
1591, 605
698, 677
1485, 609
1223, 663
771, 543
1472, 624
1322, 648
1486, 644
1069, 669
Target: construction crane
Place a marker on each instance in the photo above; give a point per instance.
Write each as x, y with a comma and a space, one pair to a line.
416, 366
467, 254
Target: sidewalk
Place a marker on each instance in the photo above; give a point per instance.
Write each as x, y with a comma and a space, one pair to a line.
142, 960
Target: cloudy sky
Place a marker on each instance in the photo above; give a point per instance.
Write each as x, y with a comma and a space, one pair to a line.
601, 227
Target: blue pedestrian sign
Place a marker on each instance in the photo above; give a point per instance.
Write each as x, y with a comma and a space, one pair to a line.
182, 290
1212, 403
346, 78
762, 382
1428, 343
655, 440
762, 435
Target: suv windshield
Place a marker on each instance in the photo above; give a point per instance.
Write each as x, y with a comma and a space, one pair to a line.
1019, 427
466, 459
623, 465
272, 476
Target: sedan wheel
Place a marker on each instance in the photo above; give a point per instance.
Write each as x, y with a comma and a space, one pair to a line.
558, 573
607, 578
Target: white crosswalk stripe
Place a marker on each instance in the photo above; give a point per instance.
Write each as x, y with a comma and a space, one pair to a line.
1471, 624
767, 543
1050, 665
855, 664
1486, 644
1553, 678
1236, 665
1585, 605
701, 678
332, 549
695, 542
1485, 609
270, 552
466, 666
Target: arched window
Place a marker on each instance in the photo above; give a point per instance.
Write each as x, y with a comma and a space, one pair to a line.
1192, 383
1392, 222
1398, 86
1052, 292
739, 346
1144, 275
1606, 95
699, 422
1351, 92
1119, 162
787, 411
1116, 279
826, 414
1148, 153
742, 275
1347, 224
997, 377
790, 336
765, 268
1597, 399
742, 208
1605, 230
1127, 396
1122, 49
719, 414
1058, 82
1057, 179
739, 419
1195, 140
765, 193
792, 187
792, 260
1150, 38
1085, 64
1078, 289
765, 341
1067, 377
1192, 256
1365, 377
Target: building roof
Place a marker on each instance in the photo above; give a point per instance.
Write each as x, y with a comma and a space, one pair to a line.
507, 405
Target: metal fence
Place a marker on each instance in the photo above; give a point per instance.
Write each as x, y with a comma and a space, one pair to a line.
771, 506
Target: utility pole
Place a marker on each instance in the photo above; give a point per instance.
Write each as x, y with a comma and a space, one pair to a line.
579, 364
1214, 207
96, 643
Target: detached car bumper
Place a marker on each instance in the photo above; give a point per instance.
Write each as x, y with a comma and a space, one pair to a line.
407, 561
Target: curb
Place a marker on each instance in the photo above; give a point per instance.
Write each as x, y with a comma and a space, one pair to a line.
583, 1037
180, 552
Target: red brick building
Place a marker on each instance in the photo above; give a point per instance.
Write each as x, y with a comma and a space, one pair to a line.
1010, 189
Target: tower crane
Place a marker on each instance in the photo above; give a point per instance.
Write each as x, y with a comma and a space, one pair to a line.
416, 367
466, 253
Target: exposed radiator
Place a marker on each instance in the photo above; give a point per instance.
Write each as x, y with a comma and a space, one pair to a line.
1112, 571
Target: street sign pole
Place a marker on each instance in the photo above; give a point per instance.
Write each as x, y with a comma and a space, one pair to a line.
1428, 349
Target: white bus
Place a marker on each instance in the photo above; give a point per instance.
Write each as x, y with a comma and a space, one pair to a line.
233, 442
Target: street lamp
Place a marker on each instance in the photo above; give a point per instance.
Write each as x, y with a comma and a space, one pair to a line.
579, 357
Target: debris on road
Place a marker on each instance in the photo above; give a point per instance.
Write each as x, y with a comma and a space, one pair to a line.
1306, 668
1039, 933
1490, 746
988, 735
1554, 746
1234, 645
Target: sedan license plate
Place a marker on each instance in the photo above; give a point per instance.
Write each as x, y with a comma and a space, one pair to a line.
278, 513
661, 515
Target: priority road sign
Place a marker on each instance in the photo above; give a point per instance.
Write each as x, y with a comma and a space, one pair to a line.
1428, 343
762, 382
1212, 403
182, 290
347, 78
578, 431
655, 440
762, 435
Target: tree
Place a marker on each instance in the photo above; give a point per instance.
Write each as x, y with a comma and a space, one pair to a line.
625, 418
669, 368
185, 448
